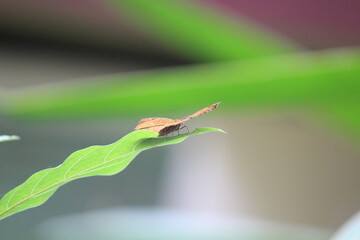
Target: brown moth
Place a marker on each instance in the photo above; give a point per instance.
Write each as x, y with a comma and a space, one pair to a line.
164, 126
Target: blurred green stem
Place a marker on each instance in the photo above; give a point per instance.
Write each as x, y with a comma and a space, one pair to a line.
306, 79
201, 34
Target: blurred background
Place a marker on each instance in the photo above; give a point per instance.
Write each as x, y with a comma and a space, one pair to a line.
83, 72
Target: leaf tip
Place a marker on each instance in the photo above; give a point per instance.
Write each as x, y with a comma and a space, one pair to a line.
222, 131
5, 138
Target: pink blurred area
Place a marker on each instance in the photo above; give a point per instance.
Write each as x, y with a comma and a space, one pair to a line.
315, 24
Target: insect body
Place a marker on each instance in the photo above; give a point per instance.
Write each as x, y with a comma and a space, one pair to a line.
164, 126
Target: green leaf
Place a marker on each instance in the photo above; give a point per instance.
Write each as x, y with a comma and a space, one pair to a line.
5, 138
92, 161
199, 34
289, 80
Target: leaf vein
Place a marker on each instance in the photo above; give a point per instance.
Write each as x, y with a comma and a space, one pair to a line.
33, 189
8, 202
77, 161
116, 145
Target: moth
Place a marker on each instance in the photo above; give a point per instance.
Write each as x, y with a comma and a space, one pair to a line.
164, 126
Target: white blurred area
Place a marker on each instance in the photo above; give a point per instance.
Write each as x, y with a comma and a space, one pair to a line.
163, 224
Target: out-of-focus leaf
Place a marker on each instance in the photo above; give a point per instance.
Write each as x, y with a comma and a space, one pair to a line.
343, 116
5, 138
199, 34
296, 80
91, 161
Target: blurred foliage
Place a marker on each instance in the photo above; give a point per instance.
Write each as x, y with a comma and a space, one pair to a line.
254, 75
5, 138
201, 35
318, 80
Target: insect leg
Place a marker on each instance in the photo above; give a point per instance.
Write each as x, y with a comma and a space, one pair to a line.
184, 126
